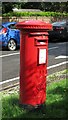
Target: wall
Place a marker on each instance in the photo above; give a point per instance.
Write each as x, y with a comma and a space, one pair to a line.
19, 19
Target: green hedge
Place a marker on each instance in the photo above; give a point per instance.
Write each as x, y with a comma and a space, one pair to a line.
20, 14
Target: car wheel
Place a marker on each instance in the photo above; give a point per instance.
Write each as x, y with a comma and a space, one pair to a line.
12, 45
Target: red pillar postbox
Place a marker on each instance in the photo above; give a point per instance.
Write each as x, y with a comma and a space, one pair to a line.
33, 61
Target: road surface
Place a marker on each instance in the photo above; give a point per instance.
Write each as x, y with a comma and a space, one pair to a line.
57, 59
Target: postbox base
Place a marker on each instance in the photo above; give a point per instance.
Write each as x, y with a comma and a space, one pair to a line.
40, 107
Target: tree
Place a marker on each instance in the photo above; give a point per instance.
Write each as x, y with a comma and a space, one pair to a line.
44, 6
7, 7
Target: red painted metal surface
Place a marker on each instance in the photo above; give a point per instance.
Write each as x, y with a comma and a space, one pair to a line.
33, 72
34, 24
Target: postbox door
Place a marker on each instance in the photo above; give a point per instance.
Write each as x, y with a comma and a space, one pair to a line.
41, 44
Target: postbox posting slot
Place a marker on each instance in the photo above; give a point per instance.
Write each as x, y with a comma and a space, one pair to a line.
40, 42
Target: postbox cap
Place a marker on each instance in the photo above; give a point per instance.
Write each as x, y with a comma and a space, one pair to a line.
33, 24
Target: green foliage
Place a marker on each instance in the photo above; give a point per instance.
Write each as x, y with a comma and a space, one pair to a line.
6, 7
20, 14
44, 6
56, 104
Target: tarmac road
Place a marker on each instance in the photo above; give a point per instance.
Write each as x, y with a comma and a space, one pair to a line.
57, 58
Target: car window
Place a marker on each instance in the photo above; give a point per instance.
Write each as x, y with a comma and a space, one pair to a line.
1, 27
67, 25
12, 26
67, 22
63, 24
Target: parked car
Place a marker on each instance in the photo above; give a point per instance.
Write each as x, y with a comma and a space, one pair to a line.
59, 31
9, 36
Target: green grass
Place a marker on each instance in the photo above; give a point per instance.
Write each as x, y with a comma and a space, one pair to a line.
56, 104
56, 100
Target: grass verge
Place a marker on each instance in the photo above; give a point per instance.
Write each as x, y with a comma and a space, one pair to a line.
55, 105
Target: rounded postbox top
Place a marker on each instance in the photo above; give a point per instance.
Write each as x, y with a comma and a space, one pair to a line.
34, 24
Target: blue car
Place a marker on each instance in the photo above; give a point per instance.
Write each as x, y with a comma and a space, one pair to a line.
9, 36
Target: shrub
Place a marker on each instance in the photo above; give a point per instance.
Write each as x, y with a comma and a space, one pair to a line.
20, 14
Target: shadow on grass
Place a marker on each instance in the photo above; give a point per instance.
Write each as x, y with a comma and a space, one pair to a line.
55, 109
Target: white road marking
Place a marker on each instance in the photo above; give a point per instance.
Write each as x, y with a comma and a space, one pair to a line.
53, 66
62, 43
57, 65
52, 48
61, 56
6, 81
7, 55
